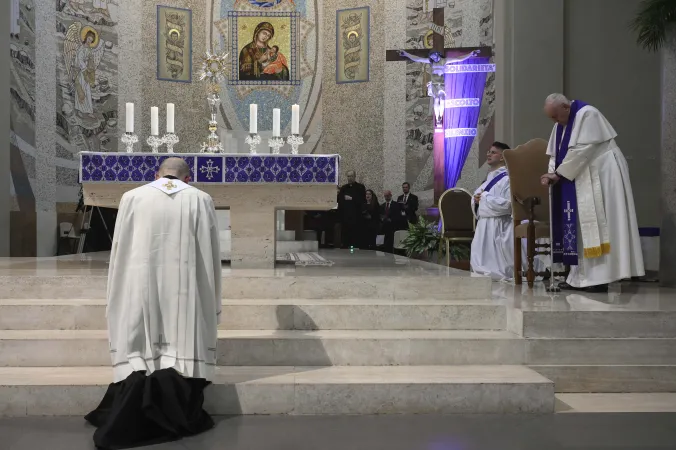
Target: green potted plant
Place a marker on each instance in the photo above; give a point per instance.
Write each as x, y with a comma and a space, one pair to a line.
423, 240
655, 27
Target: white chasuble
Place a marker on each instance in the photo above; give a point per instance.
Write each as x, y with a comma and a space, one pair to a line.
164, 281
609, 246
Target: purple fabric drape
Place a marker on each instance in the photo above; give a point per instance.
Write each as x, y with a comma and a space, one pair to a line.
461, 86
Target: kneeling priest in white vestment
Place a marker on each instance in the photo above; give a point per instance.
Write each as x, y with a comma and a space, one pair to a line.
593, 216
164, 304
493, 244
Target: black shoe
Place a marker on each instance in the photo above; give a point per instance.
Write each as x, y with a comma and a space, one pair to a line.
599, 289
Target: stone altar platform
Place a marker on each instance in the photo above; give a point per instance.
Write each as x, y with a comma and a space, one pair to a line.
252, 187
372, 334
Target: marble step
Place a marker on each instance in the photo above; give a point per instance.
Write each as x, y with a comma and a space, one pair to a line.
598, 324
52, 348
40, 391
278, 284
261, 314
610, 378
600, 351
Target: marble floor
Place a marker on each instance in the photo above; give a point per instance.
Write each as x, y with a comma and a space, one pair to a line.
358, 263
458, 432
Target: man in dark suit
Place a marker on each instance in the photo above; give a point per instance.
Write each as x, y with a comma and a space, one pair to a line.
351, 201
393, 218
409, 203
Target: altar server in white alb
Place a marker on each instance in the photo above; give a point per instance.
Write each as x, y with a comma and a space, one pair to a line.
593, 215
164, 281
493, 244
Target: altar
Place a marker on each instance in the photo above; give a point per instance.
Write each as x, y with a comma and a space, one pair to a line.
252, 187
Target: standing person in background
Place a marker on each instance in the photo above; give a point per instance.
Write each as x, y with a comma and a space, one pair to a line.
371, 220
409, 203
393, 218
351, 200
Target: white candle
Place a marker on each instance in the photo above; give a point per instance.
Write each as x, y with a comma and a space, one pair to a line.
170, 117
130, 118
275, 122
154, 120
253, 118
295, 119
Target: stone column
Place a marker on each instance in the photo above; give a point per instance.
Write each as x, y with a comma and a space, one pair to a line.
4, 130
668, 163
45, 130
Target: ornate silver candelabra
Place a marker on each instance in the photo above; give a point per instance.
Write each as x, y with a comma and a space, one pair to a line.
275, 143
252, 141
170, 139
213, 72
154, 142
213, 143
129, 139
295, 141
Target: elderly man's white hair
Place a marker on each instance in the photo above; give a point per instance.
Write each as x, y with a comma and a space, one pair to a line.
557, 99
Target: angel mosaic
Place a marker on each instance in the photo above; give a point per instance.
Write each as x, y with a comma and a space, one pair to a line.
82, 52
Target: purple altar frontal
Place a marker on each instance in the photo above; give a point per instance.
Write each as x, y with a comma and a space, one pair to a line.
212, 169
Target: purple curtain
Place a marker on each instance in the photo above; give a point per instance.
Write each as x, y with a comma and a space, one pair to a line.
461, 117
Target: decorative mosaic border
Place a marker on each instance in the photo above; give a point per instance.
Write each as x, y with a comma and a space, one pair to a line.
210, 169
234, 48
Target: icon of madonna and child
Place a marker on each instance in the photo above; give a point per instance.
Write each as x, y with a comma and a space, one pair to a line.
258, 61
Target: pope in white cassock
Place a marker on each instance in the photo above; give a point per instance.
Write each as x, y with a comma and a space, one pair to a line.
164, 280
593, 216
493, 244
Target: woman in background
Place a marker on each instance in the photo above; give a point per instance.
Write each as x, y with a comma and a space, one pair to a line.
371, 220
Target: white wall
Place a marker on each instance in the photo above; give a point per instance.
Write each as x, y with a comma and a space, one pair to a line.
605, 67
586, 50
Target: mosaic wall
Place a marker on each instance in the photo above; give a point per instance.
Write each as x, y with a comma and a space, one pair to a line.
288, 71
86, 82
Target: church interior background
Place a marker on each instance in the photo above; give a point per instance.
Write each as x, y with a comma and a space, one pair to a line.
355, 103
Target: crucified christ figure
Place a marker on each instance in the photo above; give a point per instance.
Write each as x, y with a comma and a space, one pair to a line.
437, 101
437, 63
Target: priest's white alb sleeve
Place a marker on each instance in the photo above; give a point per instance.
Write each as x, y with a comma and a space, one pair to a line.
576, 159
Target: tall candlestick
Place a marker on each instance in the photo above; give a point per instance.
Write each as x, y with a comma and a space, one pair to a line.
154, 119
295, 119
275, 122
170, 117
130, 118
253, 118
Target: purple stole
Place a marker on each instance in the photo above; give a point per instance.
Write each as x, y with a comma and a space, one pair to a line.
490, 185
564, 199
495, 180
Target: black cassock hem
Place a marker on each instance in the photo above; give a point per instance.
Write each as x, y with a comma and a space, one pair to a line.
146, 410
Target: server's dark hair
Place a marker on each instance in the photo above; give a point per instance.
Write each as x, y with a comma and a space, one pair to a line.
500, 145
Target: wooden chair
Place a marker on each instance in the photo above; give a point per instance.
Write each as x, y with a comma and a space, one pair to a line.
458, 221
530, 202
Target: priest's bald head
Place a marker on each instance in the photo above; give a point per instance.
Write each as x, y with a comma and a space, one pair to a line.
557, 108
175, 167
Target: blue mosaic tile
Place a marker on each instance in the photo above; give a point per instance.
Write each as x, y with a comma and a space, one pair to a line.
140, 168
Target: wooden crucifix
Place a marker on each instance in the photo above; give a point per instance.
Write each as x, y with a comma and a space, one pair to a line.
443, 56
